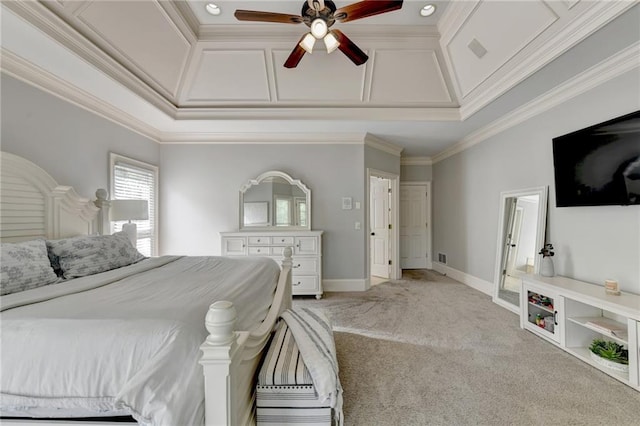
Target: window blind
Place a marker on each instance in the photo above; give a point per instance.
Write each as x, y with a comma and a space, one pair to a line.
132, 179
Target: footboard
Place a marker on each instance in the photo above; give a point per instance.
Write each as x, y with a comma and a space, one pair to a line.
231, 358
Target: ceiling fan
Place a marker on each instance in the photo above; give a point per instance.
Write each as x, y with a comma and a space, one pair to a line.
319, 16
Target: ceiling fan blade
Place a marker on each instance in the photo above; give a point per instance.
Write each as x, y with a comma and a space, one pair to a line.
365, 9
254, 15
350, 49
296, 55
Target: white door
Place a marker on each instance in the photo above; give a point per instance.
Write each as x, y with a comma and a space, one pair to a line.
379, 227
414, 227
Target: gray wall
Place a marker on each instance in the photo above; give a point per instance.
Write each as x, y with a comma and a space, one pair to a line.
592, 243
411, 173
200, 188
69, 142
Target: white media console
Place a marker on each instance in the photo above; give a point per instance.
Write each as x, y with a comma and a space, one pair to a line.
571, 314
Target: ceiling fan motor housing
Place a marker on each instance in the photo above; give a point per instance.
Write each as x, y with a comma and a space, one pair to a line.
309, 14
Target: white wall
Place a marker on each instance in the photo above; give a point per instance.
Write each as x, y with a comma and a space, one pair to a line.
69, 142
592, 243
200, 196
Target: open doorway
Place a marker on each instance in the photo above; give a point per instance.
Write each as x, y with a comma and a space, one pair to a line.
383, 228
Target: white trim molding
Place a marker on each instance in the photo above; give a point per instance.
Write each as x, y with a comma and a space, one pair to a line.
476, 283
382, 145
612, 67
416, 161
35, 76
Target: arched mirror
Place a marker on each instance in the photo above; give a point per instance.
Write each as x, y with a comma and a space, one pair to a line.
521, 231
274, 200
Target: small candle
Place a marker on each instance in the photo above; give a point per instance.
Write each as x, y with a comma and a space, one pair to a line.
611, 287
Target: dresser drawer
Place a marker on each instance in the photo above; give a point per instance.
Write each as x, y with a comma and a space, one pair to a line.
259, 251
304, 284
304, 266
259, 240
282, 241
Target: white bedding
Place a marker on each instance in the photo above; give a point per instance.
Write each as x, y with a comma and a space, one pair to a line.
125, 341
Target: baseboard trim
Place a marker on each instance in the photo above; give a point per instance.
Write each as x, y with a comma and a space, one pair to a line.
361, 284
476, 283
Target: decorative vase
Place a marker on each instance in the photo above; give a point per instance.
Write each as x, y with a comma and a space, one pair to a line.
546, 267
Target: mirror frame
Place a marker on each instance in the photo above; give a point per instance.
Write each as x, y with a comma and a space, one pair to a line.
542, 192
257, 181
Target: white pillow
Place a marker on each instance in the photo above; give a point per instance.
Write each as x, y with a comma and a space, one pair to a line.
92, 254
25, 266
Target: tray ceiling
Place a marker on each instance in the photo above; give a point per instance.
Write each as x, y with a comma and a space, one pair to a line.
194, 66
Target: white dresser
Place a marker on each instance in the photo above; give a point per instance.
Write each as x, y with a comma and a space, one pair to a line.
307, 254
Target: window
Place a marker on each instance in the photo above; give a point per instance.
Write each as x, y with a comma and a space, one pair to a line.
283, 210
132, 179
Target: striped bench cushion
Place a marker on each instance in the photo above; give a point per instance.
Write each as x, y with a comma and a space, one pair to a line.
285, 392
283, 364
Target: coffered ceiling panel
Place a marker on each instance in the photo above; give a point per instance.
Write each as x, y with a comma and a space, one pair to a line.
492, 35
233, 75
419, 80
319, 77
144, 35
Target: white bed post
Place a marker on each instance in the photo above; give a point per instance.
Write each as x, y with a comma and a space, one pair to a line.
102, 202
227, 400
219, 353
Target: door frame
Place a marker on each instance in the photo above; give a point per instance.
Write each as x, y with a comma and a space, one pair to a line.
394, 242
427, 184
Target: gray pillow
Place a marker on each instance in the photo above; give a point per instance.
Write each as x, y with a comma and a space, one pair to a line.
25, 266
92, 254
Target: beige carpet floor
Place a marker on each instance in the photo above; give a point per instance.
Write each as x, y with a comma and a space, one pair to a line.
428, 350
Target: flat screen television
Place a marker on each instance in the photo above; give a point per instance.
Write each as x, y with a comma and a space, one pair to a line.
599, 165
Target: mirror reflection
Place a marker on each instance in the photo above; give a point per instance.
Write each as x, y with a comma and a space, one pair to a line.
521, 236
275, 200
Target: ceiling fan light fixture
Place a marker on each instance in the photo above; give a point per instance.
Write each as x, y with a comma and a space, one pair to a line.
307, 43
319, 28
212, 9
331, 42
428, 10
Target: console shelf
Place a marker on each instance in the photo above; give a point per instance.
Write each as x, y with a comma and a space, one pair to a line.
571, 314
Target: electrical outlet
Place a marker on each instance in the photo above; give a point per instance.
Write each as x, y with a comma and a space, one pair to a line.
357, 225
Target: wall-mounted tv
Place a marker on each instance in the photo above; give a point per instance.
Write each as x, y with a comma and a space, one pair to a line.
599, 165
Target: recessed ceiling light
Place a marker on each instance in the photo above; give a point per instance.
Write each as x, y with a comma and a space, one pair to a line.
213, 9
428, 10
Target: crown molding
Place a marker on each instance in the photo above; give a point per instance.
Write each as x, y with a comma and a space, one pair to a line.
453, 17
257, 33
616, 65
39, 16
25, 71
416, 161
382, 145
599, 14
180, 138
328, 112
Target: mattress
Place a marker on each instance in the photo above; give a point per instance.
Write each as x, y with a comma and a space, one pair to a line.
125, 341
285, 394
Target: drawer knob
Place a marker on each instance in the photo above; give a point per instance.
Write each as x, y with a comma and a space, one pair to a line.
296, 266
298, 283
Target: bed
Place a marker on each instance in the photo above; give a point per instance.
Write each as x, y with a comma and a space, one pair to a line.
168, 340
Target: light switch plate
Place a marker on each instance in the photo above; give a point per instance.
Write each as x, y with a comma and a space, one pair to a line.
346, 203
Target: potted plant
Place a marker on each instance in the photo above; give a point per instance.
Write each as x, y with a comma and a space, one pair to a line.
610, 354
546, 266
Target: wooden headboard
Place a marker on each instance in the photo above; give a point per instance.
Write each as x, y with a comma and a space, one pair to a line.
33, 205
